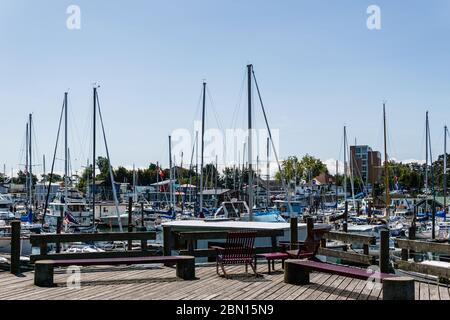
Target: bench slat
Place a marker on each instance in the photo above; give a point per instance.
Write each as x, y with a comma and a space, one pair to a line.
37, 239
345, 271
114, 261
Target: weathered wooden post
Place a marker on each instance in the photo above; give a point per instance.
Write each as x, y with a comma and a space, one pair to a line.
358, 208
369, 210
309, 227
294, 232
344, 223
384, 251
130, 221
366, 250
15, 247
412, 233
142, 214
59, 221
167, 241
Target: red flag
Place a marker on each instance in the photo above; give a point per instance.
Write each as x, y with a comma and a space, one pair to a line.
161, 173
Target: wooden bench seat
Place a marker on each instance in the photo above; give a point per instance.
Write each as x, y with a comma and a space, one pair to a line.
44, 269
297, 271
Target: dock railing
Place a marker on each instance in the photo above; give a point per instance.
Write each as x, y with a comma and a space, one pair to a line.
42, 241
348, 238
410, 247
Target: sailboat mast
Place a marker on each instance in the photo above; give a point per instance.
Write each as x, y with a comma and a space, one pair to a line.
93, 153
196, 170
26, 164
335, 182
87, 182
203, 146
66, 154
268, 173
386, 171
426, 152
30, 144
134, 183
43, 167
445, 172
250, 160
433, 190
215, 183
170, 173
352, 176
345, 163
157, 182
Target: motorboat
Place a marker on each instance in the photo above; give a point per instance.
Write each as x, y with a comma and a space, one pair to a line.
77, 210
239, 210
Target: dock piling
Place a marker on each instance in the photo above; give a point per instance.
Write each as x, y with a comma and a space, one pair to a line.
384, 251
15, 247
294, 232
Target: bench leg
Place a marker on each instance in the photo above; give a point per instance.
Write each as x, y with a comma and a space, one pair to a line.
43, 275
295, 274
268, 266
186, 269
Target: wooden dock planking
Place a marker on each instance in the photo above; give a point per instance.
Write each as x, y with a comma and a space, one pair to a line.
313, 286
159, 282
322, 287
340, 289
329, 287
301, 289
131, 285
434, 291
347, 291
424, 292
444, 293
356, 290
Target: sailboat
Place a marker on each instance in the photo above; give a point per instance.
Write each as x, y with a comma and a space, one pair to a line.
250, 212
68, 204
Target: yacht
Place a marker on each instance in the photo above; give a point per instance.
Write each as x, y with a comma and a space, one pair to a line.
5, 208
77, 210
239, 210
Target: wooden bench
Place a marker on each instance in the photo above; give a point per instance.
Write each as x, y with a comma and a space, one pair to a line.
298, 271
44, 269
394, 287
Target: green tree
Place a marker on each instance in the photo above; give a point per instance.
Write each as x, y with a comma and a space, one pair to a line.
295, 170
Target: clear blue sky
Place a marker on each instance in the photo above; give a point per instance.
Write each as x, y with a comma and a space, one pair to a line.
317, 64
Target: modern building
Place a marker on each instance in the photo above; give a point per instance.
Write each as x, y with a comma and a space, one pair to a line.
366, 164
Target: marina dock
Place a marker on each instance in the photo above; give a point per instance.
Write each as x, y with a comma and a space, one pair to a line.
158, 282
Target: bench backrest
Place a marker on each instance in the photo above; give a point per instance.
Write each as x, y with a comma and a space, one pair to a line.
240, 246
39, 239
42, 241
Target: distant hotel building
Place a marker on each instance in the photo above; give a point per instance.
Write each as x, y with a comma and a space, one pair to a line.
366, 164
